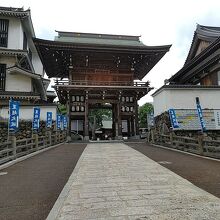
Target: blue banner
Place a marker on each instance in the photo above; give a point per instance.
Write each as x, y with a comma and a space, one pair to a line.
64, 122
36, 118
13, 115
173, 118
150, 119
59, 118
49, 120
61, 122
200, 115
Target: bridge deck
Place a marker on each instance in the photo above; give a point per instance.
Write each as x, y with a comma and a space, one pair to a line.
31, 187
113, 181
118, 181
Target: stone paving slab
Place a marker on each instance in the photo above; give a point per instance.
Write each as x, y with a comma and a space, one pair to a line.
114, 182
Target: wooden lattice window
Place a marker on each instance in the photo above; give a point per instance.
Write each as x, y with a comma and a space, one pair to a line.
2, 76
3, 32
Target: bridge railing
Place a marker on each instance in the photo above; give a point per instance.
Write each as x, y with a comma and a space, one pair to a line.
198, 145
14, 148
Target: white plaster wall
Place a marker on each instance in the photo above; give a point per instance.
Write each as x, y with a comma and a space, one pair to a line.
38, 67
9, 61
18, 82
160, 103
26, 112
15, 41
15, 33
185, 99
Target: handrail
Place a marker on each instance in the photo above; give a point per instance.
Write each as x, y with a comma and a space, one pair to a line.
13, 149
199, 145
99, 83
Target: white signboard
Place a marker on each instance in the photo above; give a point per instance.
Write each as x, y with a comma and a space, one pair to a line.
189, 120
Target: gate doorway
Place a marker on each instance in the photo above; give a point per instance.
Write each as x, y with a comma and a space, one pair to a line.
100, 121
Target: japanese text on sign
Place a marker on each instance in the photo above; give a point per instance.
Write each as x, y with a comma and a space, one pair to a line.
36, 118
13, 115
173, 118
49, 119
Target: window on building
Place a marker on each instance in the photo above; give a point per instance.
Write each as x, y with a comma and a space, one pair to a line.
25, 42
2, 76
3, 32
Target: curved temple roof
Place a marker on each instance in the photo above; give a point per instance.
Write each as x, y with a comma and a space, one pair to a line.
205, 33
56, 56
195, 63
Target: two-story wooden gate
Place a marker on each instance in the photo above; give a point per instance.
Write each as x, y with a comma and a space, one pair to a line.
97, 68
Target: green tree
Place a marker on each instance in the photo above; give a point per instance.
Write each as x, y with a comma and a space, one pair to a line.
100, 115
143, 111
62, 109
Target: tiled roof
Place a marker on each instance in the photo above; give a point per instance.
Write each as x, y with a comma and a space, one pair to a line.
185, 87
205, 33
14, 12
96, 39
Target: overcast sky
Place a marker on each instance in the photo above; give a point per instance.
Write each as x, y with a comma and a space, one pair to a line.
159, 22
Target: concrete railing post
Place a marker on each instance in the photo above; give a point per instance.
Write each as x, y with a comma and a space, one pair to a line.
200, 144
35, 136
12, 138
59, 136
171, 138
49, 137
55, 137
152, 136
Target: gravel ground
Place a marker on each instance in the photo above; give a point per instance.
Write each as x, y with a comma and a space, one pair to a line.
201, 172
29, 189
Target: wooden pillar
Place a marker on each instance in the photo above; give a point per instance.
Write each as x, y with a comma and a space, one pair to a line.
69, 118
86, 120
113, 121
132, 126
116, 120
119, 120
136, 123
129, 127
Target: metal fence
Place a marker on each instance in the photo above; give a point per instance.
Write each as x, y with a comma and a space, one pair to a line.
13, 149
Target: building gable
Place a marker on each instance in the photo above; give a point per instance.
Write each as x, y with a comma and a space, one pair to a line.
203, 37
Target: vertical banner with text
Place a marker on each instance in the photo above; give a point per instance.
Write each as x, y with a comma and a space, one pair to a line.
173, 118
49, 120
36, 118
58, 122
200, 115
64, 122
150, 120
13, 115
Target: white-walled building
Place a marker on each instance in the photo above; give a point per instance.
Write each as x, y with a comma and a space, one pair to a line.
184, 97
199, 77
21, 71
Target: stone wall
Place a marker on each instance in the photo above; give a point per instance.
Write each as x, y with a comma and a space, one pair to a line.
25, 130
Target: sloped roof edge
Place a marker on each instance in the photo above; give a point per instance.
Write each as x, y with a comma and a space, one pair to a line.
206, 33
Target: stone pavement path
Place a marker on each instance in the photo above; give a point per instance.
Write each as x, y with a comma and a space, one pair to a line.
115, 182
